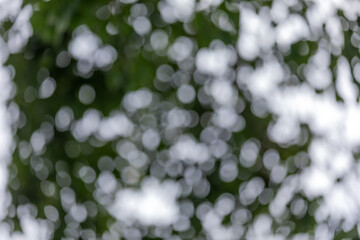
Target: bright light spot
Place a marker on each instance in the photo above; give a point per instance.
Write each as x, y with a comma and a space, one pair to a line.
155, 204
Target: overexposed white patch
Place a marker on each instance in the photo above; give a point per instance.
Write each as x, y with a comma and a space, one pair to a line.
279, 11
351, 130
181, 49
223, 92
137, 100
187, 149
250, 190
207, 4
87, 48
263, 81
284, 131
284, 195
87, 125
211, 222
105, 56
345, 87
176, 10
84, 43
317, 71
215, 61
142, 25
341, 202
316, 181
9, 8
154, 204
150, 139
256, 34
117, 124
262, 229
334, 29
21, 30
293, 29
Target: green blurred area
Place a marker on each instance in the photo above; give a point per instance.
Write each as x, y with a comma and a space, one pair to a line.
53, 24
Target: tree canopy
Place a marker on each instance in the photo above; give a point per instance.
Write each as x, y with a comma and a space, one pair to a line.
181, 119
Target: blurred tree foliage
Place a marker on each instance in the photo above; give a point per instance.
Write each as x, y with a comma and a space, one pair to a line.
40, 175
